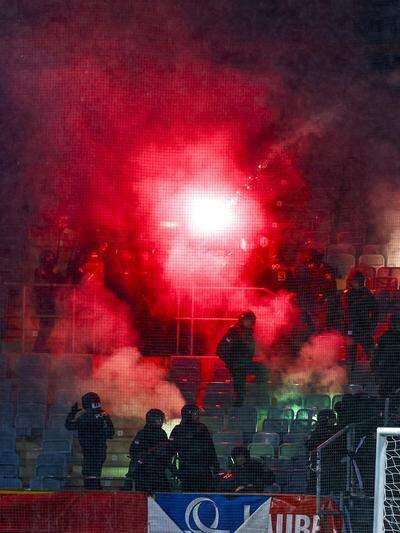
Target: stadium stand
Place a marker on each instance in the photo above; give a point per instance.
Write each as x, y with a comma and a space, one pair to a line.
215, 424
317, 402
275, 426
232, 437
373, 260
261, 450
266, 438
343, 263
277, 413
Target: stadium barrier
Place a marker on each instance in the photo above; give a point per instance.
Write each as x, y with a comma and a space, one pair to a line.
108, 512
73, 512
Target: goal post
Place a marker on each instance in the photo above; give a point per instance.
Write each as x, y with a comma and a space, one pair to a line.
387, 481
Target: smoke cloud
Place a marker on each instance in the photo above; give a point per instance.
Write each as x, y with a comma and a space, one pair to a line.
129, 386
316, 369
120, 113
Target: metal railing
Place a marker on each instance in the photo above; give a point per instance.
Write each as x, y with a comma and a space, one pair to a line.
349, 432
21, 314
238, 301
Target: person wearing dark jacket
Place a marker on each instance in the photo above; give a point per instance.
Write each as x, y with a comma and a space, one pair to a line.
94, 427
194, 447
246, 474
386, 361
237, 349
144, 450
362, 315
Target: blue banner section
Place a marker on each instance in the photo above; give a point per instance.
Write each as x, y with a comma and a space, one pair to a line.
209, 512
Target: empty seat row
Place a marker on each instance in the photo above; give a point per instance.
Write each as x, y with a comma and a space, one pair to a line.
263, 450
282, 426
344, 263
51, 471
224, 442
307, 401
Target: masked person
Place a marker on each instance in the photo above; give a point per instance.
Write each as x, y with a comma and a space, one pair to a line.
144, 450
237, 349
196, 457
246, 474
386, 361
362, 316
94, 427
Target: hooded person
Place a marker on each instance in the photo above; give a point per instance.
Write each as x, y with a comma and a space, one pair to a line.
356, 407
194, 448
148, 462
94, 427
237, 349
386, 360
246, 474
361, 314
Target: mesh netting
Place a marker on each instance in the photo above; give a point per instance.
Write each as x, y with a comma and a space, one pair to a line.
391, 510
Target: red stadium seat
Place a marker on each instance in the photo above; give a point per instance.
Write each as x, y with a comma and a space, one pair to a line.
395, 273
368, 271
374, 260
383, 272
387, 283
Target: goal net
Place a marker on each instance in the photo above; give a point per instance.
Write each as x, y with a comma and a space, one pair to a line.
387, 481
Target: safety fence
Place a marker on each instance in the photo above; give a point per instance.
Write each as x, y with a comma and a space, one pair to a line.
87, 319
202, 308
350, 440
108, 512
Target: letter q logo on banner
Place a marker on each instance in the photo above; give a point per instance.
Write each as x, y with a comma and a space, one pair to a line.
192, 515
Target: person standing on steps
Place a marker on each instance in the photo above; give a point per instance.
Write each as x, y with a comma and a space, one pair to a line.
94, 427
237, 350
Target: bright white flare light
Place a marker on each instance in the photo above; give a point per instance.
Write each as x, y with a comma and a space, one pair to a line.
210, 216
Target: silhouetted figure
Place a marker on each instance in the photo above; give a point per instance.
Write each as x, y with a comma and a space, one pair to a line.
386, 361
144, 451
94, 427
357, 407
237, 349
315, 286
361, 317
47, 278
246, 474
196, 457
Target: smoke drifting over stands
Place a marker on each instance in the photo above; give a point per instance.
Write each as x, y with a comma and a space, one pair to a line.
123, 116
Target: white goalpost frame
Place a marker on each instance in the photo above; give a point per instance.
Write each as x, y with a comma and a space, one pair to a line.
380, 475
